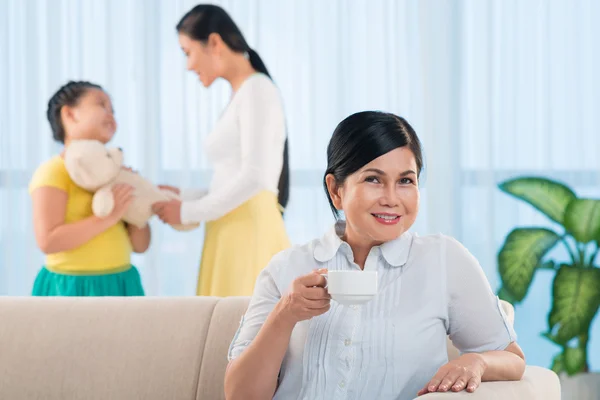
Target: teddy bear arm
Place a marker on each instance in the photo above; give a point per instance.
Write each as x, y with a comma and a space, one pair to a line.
103, 202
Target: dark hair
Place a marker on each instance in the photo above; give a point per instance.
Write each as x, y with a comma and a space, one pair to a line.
67, 95
198, 24
363, 137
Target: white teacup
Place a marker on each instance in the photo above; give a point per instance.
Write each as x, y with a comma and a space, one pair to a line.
351, 287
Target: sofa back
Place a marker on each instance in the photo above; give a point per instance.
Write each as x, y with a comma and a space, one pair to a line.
115, 348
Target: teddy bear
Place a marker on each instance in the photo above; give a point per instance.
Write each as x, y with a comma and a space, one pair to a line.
96, 168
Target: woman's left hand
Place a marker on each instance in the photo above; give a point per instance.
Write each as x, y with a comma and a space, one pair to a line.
464, 372
169, 212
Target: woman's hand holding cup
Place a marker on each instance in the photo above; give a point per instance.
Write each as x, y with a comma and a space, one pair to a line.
306, 298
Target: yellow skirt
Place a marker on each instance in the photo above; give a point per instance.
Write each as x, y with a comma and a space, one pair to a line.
239, 245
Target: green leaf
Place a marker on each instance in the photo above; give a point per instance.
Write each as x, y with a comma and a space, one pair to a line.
582, 219
551, 337
547, 196
520, 255
558, 364
548, 265
575, 301
504, 294
574, 360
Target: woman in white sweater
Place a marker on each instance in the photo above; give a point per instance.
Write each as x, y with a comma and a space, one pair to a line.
248, 150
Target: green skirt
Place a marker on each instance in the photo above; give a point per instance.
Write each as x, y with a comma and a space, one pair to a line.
123, 283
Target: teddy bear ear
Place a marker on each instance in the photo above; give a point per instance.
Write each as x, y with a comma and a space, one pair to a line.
116, 154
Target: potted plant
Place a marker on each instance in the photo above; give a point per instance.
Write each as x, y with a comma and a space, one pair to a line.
576, 285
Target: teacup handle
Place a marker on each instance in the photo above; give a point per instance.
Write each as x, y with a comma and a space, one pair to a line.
326, 280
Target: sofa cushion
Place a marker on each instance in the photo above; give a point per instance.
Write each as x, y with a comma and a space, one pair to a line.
225, 321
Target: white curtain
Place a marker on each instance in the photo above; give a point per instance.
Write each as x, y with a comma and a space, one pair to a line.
494, 89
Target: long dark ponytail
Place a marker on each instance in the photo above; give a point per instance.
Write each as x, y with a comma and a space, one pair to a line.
198, 24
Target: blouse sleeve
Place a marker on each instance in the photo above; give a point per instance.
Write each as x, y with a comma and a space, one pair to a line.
477, 322
265, 297
190, 194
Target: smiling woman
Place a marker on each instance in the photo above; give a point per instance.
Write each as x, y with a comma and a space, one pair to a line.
378, 184
429, 287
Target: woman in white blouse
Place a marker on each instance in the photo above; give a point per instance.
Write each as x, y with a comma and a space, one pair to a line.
294, 342
248, 150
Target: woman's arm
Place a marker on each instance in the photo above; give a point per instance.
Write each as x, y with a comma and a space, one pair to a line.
470, 369
262, 138
504, 365
140, 238
477, 326
185, 194
53, 235
253, 374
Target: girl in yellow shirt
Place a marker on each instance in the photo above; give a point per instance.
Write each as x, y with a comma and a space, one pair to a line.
85, 255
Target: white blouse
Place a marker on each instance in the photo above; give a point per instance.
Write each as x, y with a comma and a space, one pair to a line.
389, 348
245, 149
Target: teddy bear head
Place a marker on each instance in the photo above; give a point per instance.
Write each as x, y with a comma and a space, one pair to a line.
91, 165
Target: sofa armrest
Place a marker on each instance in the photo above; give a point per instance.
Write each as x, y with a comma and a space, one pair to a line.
537, 383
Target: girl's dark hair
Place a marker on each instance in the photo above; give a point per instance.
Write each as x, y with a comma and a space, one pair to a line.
363, 137
198, 24
67, 95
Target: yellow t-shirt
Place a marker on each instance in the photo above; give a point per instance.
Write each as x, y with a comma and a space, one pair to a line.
108, 251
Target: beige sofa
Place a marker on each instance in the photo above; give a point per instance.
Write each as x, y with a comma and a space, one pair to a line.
149, 348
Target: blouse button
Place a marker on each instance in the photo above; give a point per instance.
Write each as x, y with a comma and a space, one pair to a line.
347, 342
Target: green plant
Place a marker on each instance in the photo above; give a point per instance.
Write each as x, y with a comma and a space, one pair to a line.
576, 285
